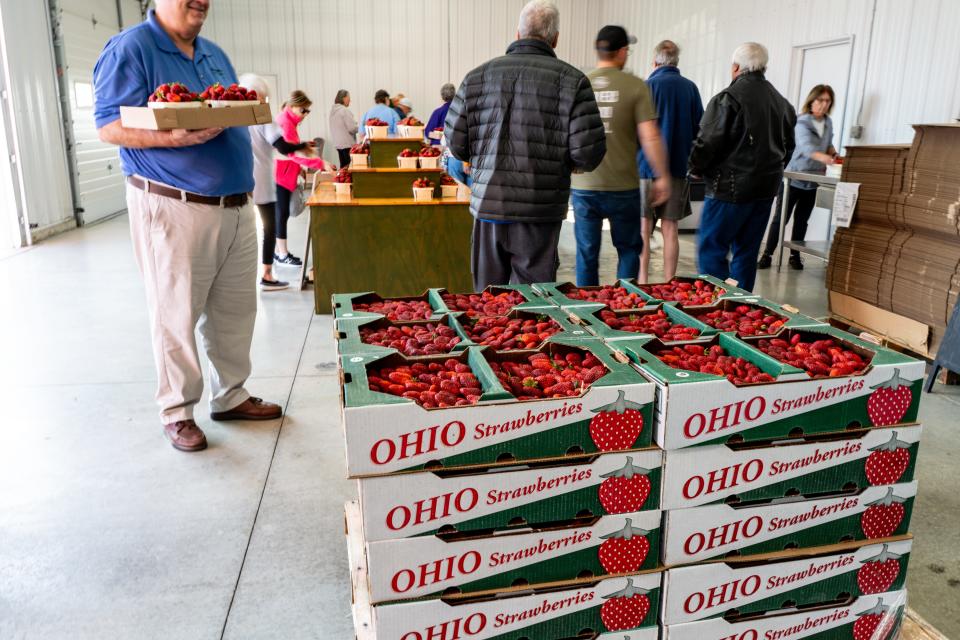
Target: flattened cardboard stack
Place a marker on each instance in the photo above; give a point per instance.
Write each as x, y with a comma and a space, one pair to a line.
902, 251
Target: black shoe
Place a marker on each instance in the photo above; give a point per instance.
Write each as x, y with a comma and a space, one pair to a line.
290, 259
796, 263
273, 285
764, 262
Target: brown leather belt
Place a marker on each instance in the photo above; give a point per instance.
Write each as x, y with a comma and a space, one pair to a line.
227, 202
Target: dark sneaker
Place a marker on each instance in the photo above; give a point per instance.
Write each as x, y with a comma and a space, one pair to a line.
185, 435
273, 285
764, 262
796, 263
290, 259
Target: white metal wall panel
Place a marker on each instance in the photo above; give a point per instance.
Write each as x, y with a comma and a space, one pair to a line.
38, 134
85, 26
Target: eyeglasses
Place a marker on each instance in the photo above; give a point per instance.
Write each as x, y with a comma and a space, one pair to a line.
304, 111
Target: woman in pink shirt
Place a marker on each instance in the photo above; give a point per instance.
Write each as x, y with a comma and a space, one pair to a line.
287, 170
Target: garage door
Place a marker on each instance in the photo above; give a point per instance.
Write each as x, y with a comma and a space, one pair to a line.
83, 27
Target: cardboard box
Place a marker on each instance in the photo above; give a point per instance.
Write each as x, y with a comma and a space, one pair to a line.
816, 464
591, 316
387, 434
202, 118
717, 530
867, 618
789, 316
531, 299
608, 609
726, 288
578, 549
699, 408
805, 577
501, 498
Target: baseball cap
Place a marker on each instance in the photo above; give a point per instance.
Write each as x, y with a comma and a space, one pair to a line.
614, 38
406, 102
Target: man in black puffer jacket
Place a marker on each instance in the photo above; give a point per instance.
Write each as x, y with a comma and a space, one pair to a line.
745, 141
524, 121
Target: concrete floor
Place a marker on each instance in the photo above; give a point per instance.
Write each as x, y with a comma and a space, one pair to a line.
107, 532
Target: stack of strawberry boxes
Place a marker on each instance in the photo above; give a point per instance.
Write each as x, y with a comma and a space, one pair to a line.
789, 452
508, 483
629, 461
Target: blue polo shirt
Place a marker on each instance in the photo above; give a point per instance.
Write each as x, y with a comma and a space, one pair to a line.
383, 112
131, 66
679, 110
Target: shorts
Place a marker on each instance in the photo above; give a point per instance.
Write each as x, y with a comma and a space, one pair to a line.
676, 208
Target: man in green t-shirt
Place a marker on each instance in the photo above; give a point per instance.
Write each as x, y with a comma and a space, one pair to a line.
612, 190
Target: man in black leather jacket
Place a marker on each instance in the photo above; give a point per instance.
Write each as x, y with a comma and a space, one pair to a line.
524, 121
745, 141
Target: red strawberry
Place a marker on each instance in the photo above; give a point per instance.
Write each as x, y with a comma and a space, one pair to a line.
889, 401
888, 462
624, 550
883, 516
626, 489
878, 573
625, 609
617, 425
875, 623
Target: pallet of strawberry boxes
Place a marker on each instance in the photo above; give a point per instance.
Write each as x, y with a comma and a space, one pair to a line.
527, 471
514, 516
789, 451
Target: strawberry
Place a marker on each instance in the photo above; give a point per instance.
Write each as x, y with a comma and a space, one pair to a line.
447, 180
820, 356
888, 462
485, 303
422, 183
624, 550
684, 291
626, 489
398, 309
883, 516
889, 401
875, 623
625, 609
612, 296
617, 425
878, 573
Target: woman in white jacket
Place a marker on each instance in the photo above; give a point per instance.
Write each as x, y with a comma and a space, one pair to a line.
343, 126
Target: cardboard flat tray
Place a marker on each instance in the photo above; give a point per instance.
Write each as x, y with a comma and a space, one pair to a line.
203, 118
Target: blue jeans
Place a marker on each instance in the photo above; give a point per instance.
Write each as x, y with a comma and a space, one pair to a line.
732, 228
622, 209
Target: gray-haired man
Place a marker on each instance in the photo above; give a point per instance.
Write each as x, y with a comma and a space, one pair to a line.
745, 141
524, 121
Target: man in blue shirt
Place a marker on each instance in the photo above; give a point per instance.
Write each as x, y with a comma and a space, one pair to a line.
382, 110
679, 110
193, 232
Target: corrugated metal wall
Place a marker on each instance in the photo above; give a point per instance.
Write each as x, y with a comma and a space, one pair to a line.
912, 75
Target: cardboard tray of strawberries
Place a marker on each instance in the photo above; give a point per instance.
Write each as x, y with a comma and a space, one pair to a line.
807, 520
494, 561
497, 300
661, 320
689, 291
749, 317
216, 106
728, 389
621, 295
759, 585
481, 407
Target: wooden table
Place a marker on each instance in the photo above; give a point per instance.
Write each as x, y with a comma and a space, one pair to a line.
394, 246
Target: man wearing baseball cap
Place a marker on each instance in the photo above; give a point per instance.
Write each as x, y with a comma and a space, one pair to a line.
612, 190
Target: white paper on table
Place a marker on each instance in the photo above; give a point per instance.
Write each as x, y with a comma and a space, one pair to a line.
844, 202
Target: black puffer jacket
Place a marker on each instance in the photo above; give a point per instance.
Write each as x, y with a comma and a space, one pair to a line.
524, 121
745, 141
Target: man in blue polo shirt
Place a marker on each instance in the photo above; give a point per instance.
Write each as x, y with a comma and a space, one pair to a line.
193, 232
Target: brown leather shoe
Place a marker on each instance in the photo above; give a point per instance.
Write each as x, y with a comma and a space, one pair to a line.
185, 435
250, 409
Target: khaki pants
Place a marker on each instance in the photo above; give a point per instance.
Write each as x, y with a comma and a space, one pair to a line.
199, 267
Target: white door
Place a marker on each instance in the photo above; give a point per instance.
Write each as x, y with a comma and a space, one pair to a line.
84, 27
824, 63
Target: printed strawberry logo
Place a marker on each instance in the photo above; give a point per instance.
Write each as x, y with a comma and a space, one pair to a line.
875, 623
878, 573
624, 550
617, 425
889, 401
883, 515
626, 489
888, 462
625, 609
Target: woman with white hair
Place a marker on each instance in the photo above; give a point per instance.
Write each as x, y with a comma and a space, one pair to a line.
439, 116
